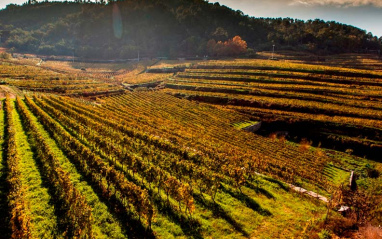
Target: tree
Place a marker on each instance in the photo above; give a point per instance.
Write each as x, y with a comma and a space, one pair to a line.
220, 34
169, 28
233, 47
236, 46
211, 44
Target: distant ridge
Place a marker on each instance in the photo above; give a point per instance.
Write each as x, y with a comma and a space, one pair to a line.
168, 28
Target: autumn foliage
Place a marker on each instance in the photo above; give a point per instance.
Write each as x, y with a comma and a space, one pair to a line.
232, 47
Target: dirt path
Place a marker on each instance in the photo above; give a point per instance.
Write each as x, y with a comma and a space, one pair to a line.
4, 90
309, 193
302, 191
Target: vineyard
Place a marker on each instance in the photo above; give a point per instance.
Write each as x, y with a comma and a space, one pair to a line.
339, 105
348, 60
88, 157
27, 77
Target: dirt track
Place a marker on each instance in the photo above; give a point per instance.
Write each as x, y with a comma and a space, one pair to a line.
4, 90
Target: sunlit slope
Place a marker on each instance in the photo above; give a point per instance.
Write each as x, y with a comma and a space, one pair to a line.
343, 105
151, 160
34, 78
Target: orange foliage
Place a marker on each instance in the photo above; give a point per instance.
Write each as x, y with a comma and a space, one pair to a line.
232, 47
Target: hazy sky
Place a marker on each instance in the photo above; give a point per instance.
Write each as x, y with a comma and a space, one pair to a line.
365, 14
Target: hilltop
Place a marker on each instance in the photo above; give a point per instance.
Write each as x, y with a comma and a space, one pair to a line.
169, 28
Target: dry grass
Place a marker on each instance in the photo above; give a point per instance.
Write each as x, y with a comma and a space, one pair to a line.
136, 77
173, 63
371, 232
368, 232
6, 90
305, 145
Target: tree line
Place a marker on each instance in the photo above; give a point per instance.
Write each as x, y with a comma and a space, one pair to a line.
167, 28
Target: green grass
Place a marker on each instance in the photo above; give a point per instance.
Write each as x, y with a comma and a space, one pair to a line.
4, 231
244, 124
43, 219
336, 175
267, 212
105, 225
351, 162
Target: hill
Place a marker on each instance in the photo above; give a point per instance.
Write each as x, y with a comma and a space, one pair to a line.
110, 150
169, 28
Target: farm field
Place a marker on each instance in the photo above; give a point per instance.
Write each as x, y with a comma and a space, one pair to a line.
138, 185
33, 78
346, 60
88, 156
339, 106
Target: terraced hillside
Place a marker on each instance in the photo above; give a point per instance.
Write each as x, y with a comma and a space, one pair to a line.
345, 60
334, 106
154, 165
42, 79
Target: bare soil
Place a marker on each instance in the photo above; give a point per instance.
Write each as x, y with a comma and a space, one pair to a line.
4, 90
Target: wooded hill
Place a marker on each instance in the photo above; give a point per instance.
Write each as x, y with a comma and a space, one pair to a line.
166, 28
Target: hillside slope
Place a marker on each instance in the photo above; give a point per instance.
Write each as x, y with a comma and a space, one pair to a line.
164, 28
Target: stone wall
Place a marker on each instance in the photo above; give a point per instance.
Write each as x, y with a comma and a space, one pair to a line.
253, 128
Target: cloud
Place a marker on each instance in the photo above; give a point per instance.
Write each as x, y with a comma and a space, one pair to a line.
340, 3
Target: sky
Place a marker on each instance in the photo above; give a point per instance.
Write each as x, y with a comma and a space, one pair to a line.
364, 14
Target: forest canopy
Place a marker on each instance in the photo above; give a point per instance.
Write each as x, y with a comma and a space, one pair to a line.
167, 28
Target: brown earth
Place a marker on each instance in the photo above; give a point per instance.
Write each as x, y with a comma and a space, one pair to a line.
4, 90
366, 232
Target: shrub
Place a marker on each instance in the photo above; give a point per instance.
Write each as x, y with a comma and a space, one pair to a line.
324, 234
5, 55
371, 171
